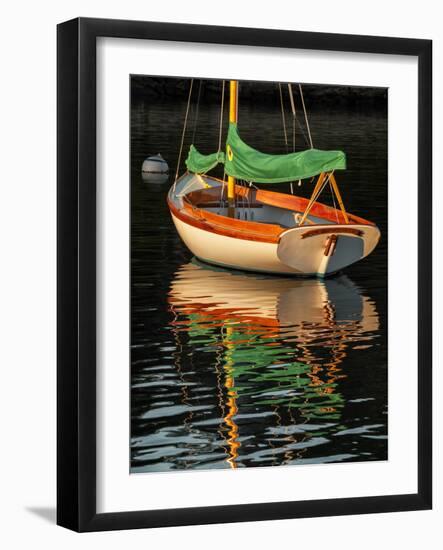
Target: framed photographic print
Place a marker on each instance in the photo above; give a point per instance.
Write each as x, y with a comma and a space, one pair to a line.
244, 274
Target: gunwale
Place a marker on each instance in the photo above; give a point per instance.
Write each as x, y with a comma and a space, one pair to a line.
194, 213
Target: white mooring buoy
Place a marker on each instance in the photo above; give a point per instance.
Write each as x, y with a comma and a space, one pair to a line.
155, 169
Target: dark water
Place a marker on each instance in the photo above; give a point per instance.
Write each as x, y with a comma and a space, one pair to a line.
235, 370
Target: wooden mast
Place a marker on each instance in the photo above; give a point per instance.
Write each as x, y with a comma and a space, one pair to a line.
233, 113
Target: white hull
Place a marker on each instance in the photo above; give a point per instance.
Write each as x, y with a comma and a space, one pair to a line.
230, 252
250, 255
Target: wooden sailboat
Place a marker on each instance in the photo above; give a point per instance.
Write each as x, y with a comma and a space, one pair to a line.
232, 223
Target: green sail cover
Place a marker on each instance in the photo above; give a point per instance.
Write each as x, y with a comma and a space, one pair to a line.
200, 164
243, 162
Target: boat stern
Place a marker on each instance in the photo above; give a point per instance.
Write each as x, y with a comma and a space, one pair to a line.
323, 250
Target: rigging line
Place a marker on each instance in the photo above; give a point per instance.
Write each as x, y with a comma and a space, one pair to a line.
302, 131
221, 117
294, 118
222, 190
248, 201
291, 99
242, 201
283, 116
306, 116
197, 111
294, 113
315, 196
333, 200
183, 133
245, 203
320, 191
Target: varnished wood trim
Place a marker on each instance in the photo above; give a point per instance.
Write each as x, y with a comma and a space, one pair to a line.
338, 195
233, 223
331, 229
237, 229
315, 194
318, 209
330, 245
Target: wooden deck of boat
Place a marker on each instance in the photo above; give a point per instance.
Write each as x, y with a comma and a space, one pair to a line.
196, 203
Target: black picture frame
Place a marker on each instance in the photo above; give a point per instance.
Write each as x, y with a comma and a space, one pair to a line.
76, 266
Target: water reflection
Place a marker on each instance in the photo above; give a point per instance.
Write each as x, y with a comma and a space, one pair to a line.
212, 389
256, 375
